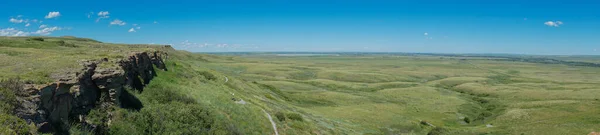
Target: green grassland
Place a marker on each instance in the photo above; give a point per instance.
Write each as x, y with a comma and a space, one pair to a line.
392, 94
328, 94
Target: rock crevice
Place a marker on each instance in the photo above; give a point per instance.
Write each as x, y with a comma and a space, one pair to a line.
100, 84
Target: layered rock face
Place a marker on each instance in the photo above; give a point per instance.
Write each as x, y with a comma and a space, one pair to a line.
100, 85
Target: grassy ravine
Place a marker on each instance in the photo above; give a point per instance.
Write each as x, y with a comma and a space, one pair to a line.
347, 94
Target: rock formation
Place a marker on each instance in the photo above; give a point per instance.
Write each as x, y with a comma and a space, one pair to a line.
52, 107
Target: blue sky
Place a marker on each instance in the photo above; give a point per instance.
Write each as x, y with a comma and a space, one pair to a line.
467, 26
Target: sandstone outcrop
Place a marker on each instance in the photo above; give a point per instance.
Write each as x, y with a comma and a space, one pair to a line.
99, 85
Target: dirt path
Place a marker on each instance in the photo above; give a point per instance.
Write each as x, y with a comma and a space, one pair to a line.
272, 122
268, 115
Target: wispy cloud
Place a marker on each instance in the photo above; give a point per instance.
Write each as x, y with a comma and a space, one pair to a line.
43, 26
53, 14
131, 30
138, 27
27, 25
117, 22
47, 30
16, 20
102, 15
155, 22
553, 23
13, 32
426, 34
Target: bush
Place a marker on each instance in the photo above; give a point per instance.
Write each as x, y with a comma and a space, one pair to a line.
281, 116
65, 44
295, 116
35, 39
13, 125
8, 94
467, 120
8, 101
208, 75
174, 118
13, 84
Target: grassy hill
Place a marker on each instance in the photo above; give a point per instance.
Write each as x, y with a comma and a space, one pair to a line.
308, 94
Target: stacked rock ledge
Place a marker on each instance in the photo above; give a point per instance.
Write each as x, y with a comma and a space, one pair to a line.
54, 106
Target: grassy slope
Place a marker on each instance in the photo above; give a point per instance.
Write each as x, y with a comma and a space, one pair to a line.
187, 99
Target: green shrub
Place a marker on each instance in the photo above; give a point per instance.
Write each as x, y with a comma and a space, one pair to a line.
467, 120
9, 89
173, 118
208, 75
65, 44
13, 125
35, 39
294, 116
280, 116
7, 101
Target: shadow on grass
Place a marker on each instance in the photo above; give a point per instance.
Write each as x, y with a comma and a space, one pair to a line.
129, 101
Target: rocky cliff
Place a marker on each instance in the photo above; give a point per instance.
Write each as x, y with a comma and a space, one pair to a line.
99, 85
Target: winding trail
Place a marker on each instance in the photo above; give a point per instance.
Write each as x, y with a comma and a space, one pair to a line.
268, 115
272, 122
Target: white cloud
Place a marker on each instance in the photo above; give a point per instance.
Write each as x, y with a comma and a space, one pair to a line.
559, 22
138, 27
131, 30
425, 33
47, 30
103, 14
27, 25
34, 20
553, 23
43, 26
12, 32
52, 15
117, 22
13, 20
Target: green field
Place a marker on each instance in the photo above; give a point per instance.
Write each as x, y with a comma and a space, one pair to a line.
318, 94
392, 94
